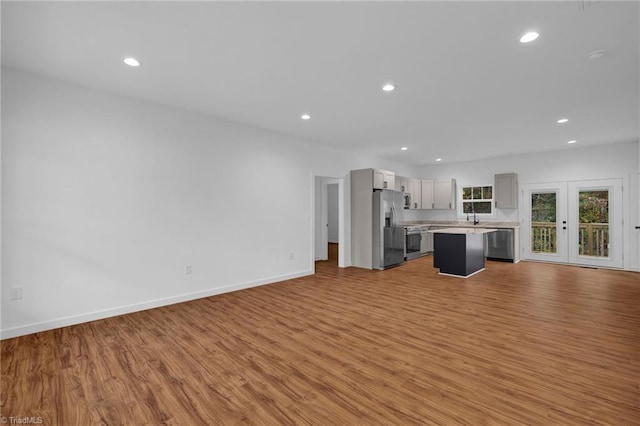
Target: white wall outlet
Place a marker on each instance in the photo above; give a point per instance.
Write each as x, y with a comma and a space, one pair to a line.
16, 293
187, 270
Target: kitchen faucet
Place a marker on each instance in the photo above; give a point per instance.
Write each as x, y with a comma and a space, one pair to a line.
475, 218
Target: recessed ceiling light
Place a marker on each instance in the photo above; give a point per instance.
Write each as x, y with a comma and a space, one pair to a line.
404, 148
529, 37
438, 159
562, 120
132, 62
570, 142
389, 87
596, 54
305, 116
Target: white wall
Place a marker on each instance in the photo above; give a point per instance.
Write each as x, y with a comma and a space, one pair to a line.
106, 199
332, 212
600, 162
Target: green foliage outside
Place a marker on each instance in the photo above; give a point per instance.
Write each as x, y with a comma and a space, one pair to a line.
594, 206
543, 207
479, 199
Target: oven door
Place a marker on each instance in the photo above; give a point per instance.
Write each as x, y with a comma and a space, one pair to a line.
413, 243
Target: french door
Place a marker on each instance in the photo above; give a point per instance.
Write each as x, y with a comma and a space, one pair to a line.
578, 222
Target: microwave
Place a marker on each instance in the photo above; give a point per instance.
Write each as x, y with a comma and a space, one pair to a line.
407, 200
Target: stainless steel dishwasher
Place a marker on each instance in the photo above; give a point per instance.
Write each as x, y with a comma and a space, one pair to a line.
426, 245
498, 245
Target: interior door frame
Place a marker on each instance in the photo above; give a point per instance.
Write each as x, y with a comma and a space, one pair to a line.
320, 248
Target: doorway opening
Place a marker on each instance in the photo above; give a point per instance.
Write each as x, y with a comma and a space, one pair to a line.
329, 220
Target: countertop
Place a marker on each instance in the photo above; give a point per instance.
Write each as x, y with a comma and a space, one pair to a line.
463, 231
465, 224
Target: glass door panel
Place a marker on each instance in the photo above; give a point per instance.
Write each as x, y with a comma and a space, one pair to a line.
544, 231
593, 223
595, 208
544, 215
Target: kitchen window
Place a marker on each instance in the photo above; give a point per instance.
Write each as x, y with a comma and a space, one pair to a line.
477, 199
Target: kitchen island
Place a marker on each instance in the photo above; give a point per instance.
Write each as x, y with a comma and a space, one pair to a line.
459, 251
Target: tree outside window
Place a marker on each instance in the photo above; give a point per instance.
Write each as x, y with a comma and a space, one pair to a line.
477, 199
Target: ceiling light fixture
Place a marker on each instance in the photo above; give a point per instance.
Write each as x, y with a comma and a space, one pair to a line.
305, 116
389, 87
571, 142
132, 62
596, 54
438, 159
562, 120
404, 148
529, 37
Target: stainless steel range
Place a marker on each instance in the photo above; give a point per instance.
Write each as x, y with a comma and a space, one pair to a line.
413, 242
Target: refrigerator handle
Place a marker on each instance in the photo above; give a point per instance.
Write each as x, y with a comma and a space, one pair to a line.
392, 224
393, 213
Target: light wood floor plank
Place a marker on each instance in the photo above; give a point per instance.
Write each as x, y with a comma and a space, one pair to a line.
529, 343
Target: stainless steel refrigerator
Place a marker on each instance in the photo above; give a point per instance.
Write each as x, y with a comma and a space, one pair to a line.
388, 229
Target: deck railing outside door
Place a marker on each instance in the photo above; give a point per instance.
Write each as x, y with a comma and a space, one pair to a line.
593, 238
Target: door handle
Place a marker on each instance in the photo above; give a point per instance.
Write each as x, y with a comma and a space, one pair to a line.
637, 227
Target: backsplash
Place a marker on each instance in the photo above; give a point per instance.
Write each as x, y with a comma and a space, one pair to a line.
501, 215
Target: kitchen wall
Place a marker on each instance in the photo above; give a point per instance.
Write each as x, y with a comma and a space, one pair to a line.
106, 200
619, 160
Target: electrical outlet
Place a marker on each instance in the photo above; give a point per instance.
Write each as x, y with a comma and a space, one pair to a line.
187, 270
16, 293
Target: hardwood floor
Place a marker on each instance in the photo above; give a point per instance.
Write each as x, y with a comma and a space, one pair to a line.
529, 343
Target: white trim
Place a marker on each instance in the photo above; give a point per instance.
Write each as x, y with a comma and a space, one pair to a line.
461, 276
136, 307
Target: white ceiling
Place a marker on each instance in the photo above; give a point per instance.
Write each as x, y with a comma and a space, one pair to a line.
467, 88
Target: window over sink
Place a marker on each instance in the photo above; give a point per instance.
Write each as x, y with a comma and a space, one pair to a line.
477, 199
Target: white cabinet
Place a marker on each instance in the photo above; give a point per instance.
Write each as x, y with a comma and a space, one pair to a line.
383, 179
414, 188
411, 187
426, 194
506, 191
444, 194
402, 184
439, 194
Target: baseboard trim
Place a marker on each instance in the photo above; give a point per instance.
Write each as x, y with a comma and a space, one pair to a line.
136, 307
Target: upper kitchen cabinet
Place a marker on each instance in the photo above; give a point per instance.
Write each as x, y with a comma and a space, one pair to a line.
506, 191
444, 194
383, 179
426, 194
415, 189
439, 194
402, 184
